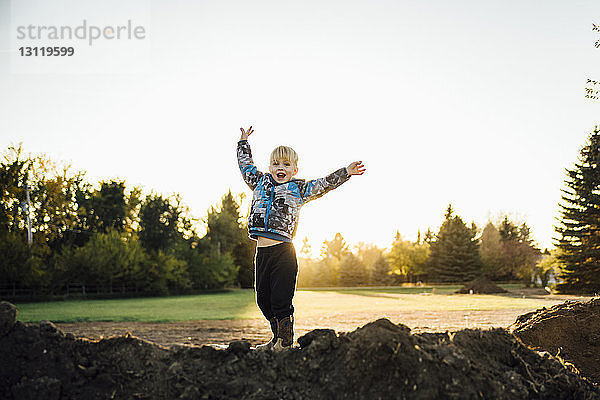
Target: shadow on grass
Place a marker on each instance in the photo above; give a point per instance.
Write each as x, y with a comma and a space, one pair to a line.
389, 292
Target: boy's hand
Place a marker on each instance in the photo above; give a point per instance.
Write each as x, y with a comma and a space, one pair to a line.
356, 168
247, 133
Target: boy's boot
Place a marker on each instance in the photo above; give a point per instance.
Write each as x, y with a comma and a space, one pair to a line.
285, 333
269, 345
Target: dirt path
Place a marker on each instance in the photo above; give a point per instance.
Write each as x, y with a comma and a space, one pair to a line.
257, 331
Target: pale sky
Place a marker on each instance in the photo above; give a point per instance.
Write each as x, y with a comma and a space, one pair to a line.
476, 103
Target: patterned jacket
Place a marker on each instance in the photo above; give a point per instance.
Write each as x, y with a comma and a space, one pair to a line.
275, 206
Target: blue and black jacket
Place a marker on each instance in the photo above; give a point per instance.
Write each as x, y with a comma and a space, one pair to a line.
275, 206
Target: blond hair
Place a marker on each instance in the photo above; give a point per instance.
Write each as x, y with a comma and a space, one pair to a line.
284, 153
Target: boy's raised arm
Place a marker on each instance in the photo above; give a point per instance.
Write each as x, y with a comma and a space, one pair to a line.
250, 173
316, 188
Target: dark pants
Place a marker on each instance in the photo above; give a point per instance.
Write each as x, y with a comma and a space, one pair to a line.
276, 271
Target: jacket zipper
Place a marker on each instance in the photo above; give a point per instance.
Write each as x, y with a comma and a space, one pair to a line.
269, 208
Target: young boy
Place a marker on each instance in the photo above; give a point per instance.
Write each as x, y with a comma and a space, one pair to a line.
273, 219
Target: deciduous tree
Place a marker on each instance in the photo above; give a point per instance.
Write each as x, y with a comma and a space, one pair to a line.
158, 223
492, 253
407, 260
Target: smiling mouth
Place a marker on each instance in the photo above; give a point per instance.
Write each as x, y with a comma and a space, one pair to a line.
280, 175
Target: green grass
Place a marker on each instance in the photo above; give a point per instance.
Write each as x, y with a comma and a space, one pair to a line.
235, 304
240, 304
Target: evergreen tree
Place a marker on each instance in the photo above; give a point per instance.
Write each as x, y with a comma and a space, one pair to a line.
229, 234
520, 253
454, 254
224, 227
508, 230
306, 248
508, 252
368, 254
325, 273
307, 268
380, 275
335, 249
352, 271
306, 265
579, 230
428, 237
332, 253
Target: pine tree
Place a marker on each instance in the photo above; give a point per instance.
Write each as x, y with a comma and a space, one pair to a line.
335, 249
306, 249
228, 233
368, 254
508, 230
579, 231
520, 253
306, 265
508, 252
352, 271
325, 273
454, 254
429, 236
381, 272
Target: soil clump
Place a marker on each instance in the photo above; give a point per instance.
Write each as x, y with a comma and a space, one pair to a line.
481, 285
378, 360
570, 331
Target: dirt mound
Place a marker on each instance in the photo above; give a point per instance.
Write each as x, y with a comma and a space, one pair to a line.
480, 285
571, 330
379, 360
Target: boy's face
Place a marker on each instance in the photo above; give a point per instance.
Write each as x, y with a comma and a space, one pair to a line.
282, 170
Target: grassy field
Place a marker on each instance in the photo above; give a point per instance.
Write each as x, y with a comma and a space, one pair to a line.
240, 304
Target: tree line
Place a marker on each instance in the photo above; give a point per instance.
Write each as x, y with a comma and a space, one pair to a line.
502, 251
457, 253
108, 238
